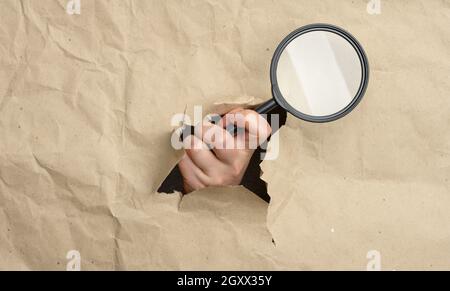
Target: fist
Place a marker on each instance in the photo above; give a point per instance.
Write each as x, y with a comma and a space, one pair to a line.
215, 157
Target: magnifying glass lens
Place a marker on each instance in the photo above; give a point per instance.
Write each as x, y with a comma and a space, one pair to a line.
319, 73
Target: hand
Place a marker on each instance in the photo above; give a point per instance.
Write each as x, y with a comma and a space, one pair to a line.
214, 157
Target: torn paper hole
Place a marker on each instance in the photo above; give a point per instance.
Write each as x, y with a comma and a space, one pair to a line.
252, 177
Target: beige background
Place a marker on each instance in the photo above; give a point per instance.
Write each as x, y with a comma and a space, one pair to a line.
85, 108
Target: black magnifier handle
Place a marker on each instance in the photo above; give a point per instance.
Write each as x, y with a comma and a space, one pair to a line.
267, 106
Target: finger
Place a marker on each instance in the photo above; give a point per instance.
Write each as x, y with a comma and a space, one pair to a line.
256, 125
223, 122
219, 140
222, 143
225, 147
191, 174
200, 154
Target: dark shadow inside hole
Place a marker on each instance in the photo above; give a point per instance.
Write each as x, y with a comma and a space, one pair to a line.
251, 180
252, 177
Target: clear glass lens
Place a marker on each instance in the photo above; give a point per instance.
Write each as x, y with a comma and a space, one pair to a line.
319, 73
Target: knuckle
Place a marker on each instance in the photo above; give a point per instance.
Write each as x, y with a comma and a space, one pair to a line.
227, 177
235, 171
218, 180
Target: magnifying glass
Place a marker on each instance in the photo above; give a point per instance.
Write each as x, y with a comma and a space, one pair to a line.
319, 73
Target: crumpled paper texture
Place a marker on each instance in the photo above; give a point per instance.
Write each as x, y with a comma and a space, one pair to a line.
85, 108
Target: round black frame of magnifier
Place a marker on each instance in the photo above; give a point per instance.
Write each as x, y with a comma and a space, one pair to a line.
364, 66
